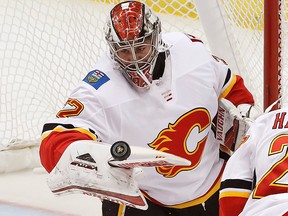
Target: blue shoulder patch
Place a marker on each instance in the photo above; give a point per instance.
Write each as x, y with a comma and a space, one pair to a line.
96, 78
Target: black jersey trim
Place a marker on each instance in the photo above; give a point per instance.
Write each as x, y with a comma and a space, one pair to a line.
236, 183
51, 126
228, 77
224, 155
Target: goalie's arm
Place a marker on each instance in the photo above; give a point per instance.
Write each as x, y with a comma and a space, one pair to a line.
237, 103
237, 92
56, 138
232, 123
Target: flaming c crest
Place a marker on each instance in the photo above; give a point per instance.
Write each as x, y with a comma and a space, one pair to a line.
173, 140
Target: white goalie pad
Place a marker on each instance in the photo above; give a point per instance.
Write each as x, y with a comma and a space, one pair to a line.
233, 122
87, 167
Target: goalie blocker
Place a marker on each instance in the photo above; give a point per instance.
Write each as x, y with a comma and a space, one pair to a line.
107, 172
233, 122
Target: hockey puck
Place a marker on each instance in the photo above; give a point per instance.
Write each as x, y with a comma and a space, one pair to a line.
120, 150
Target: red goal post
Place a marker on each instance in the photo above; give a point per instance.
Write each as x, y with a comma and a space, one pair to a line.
47, 47
274, 25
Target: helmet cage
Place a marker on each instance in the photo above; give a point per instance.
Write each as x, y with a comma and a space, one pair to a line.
137, 68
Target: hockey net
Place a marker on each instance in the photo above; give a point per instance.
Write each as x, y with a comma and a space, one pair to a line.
47, 47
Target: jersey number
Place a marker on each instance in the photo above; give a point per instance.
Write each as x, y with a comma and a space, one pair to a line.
268, 184
76, 109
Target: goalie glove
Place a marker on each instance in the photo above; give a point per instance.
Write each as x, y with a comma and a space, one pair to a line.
87, 167
83, 168
233, 122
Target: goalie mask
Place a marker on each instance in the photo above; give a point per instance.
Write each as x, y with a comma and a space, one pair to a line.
133, 34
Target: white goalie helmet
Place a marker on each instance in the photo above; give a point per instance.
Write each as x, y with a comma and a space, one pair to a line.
133, 34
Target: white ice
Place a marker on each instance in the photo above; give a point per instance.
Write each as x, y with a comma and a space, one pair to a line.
26, 193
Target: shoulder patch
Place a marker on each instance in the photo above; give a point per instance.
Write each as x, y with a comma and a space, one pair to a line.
96, 78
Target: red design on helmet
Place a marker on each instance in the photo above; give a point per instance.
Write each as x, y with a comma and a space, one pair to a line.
128, 20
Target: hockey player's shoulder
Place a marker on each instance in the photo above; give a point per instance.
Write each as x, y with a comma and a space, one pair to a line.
180, 36
96, 78
189, 45
103, 74
107, 84
106, 80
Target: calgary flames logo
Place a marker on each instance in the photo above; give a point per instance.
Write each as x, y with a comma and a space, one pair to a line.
174, 140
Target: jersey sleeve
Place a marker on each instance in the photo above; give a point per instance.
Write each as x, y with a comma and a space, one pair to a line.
81, 118
56, 138
231, 86
238, 93
237, 179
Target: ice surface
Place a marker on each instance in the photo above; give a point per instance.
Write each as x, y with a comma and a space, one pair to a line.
26, 193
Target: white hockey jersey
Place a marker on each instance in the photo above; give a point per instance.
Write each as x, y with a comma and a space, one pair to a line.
257, 173
174, 116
